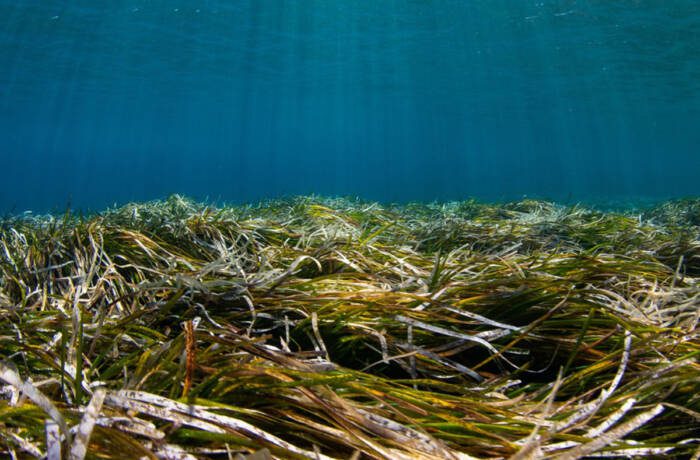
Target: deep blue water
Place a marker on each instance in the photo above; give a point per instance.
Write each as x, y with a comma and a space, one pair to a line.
103, 102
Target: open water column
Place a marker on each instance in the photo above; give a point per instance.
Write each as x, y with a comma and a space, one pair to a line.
364, 229
107, 102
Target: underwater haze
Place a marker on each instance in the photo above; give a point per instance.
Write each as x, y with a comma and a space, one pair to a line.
104, 102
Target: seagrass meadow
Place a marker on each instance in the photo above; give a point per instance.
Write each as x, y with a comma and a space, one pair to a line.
334, 328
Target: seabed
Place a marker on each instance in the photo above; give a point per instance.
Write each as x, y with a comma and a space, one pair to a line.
331, 328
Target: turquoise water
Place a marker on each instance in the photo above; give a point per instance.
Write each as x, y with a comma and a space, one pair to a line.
104, 102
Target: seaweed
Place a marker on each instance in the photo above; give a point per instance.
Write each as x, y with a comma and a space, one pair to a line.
336, 328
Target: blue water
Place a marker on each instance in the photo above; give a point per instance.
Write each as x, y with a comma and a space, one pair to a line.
104, 102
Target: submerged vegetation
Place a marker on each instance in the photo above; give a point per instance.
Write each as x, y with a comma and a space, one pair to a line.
316, 328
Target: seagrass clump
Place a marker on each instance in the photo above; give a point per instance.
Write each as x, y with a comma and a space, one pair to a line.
334, 328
